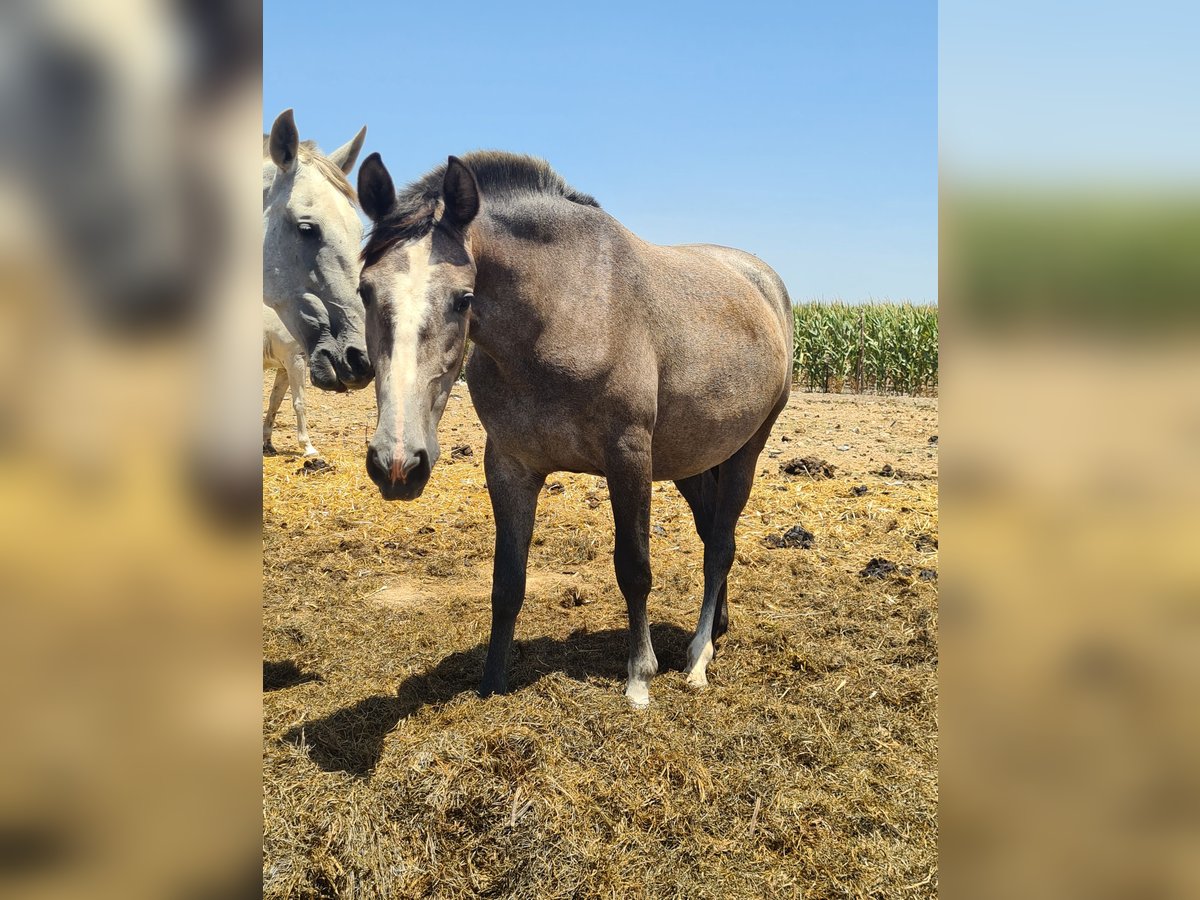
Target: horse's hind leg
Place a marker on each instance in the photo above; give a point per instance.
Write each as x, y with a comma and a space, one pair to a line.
277, 392
734, 479
628, 470
700, 492
295, 374
514, 491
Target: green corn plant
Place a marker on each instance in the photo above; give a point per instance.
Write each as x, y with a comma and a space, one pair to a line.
879, 347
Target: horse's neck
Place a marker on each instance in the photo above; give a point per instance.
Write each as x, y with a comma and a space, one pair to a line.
533, 290
505, 275
516, 265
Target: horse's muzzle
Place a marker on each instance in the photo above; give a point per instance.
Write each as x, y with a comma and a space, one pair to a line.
396, 479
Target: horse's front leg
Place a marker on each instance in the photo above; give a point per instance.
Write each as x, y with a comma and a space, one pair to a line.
514, 491
277, 391
629, 473
295, 374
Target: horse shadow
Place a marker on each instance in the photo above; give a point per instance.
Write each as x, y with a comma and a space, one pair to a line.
285, 674
351, 739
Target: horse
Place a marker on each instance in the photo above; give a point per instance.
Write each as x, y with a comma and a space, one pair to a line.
284, 354
595, 352
311, 239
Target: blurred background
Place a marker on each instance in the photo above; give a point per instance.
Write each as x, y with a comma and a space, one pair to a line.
129, 447
1070, 384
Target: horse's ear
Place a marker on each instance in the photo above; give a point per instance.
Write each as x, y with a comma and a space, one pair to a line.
344, 156
285, 140
376, 192
460, 191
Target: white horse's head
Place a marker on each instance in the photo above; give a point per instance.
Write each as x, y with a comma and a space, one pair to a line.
311, 240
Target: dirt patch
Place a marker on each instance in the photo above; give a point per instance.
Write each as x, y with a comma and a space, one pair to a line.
405, 595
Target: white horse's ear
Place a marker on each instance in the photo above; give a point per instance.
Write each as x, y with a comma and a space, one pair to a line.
376, 192
285, 140
346, 155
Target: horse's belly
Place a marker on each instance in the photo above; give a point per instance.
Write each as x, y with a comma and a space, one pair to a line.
685, 446
572, 442
706, 420
694, 429
550, 438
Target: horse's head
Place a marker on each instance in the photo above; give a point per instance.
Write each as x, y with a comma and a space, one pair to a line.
311, 241
417, 283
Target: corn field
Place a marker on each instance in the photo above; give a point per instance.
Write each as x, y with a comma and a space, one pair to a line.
880, 348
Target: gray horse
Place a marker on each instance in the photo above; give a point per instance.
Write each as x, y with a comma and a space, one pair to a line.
595, 352
311, 240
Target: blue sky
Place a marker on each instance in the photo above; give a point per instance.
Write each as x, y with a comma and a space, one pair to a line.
1071, 92
803, 132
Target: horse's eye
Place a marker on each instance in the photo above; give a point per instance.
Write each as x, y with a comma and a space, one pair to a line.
367, 294
463, 302
308, 230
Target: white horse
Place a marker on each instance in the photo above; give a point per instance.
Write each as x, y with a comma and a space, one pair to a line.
286, 356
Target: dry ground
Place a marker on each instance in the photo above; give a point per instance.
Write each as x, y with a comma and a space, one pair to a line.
808, 767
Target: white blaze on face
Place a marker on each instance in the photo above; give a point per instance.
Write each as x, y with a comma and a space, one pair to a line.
410, 306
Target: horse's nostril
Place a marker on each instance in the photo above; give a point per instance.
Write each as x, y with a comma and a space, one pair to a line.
322, 372
375, 467
358, 361
418, 462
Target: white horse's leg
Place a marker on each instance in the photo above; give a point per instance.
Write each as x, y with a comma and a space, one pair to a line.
295, 374
277, 392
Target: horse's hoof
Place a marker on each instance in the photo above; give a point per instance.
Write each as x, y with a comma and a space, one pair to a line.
269, 450
310, 451
638, 696
700, 654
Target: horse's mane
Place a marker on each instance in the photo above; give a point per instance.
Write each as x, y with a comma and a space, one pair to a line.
498, 174
308, 151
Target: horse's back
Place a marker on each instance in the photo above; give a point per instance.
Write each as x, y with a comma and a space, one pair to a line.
765, 279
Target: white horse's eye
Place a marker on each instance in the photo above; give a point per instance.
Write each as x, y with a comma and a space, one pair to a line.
308, 230
463, 302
